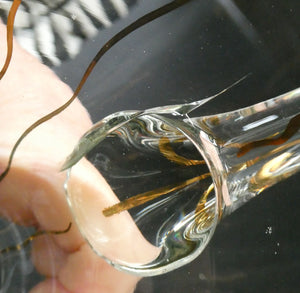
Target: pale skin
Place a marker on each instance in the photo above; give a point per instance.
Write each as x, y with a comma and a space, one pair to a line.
32, 193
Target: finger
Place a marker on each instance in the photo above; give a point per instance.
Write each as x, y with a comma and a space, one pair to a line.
86, 272
81, 271
32, 198
47, 257
50, 286
32, 193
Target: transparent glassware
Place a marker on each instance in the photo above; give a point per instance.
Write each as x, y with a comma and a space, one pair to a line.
148, 188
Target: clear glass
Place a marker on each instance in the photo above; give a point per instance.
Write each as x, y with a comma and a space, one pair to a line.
155, 183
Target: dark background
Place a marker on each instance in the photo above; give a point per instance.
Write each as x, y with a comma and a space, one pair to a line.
190, 54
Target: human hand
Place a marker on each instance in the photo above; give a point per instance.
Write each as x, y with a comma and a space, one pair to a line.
32, 192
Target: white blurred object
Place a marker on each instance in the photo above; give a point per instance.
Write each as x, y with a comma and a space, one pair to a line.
54, 30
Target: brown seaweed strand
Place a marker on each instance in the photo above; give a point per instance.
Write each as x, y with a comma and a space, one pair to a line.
115, 39
142, 198
204, 215
292, 127
9, 35
166, 149
28, 240
201, 204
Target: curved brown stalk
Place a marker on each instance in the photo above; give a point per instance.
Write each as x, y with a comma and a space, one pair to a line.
9, 35
166, 149
31, 238
142, 198
292, 127
115, 39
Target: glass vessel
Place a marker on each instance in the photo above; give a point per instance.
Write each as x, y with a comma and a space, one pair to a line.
154, 184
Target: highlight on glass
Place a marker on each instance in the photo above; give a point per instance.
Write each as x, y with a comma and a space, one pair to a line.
155, 183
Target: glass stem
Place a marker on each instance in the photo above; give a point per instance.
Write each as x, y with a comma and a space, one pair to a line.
251, 149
